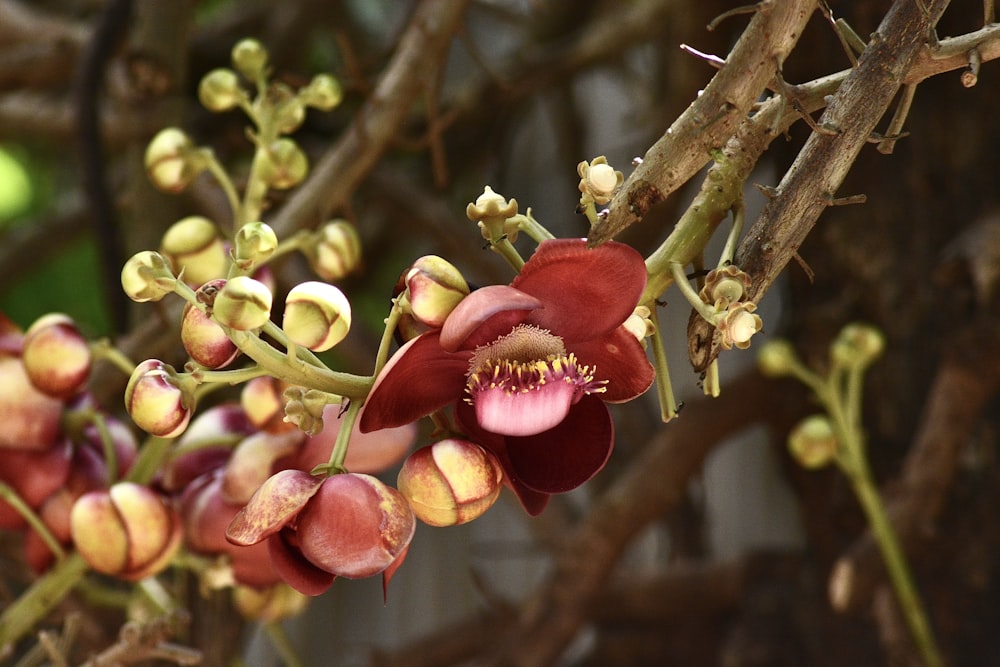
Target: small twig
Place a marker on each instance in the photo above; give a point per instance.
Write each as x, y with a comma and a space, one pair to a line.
886, 145
843, 32
713, 60
736, 11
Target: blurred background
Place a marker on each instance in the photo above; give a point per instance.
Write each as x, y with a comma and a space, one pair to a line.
730, 561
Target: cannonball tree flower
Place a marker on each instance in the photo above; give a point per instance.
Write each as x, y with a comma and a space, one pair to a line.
348, 525
530, 366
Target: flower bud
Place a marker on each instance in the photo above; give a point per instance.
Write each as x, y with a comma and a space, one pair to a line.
857, 344
450, 482
335, 250
317, 315
127, 531
640, 324
598, 180
155, 400
724, 286
250, 58
354, 526
56, 356
251, 462
324, 92
283, 164
263, 402
777, 358
146, 276
219, 90
492, 211
34, 475
202, 337
289, 110
269, 605
195, 250
242, 304
172, 160
739, 325
434, 288
254, 244
813, 443
29, 419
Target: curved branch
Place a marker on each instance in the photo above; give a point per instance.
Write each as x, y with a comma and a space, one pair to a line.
712, 118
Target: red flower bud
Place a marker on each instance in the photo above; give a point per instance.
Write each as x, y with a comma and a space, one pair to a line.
155, 400
56, 356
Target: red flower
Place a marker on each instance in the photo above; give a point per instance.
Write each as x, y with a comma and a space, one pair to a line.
529, 366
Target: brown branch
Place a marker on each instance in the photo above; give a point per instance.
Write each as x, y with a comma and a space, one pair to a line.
712, 118
421, 52
966, 381
653, 485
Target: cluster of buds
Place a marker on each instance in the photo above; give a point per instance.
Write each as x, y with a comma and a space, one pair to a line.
734, 318
63, 458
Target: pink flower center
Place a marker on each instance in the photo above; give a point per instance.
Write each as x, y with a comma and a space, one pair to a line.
525, 382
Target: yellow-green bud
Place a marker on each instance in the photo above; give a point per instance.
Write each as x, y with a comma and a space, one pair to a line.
317, 315
812, 442
324, 92
172, 160
56, 356
857, 344
598, 180
250, 58
269, 605
254, 244
434, 288
335, 251
289, 110
283, 164
450, 482
492, 211
146, 276
777, 358
242, 304
127, 531
219, 90
195, 249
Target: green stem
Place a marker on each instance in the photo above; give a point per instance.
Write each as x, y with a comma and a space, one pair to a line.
706, 312
664, 387
226, 183
279, 640
103, 349
391, 322
506, 249
733, 239
845, 414
534, 229
21, 616
895, 562
339, 453
14, 499
152, 454
297, 371
295, 351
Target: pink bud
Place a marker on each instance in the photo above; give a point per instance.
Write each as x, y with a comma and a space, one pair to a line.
56, 356
155, 400
127, 531
201, 336
355, 526
450, 482
29, 418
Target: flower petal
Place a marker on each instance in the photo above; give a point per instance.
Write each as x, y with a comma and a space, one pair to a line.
273, 505
488, 313
419, 379
568, 455
618, 358
586, 292
293, 567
